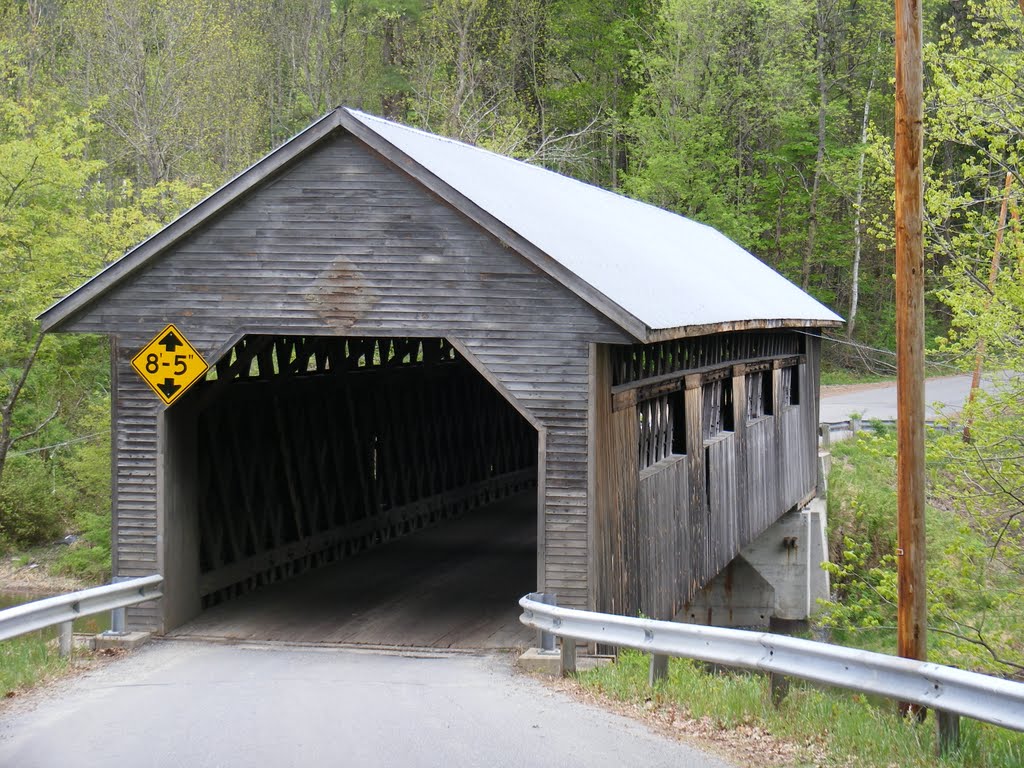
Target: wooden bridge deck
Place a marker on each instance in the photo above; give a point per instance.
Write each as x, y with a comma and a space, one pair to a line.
453, 586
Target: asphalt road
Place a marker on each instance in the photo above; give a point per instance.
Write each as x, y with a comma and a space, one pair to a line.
198, 705
949, 393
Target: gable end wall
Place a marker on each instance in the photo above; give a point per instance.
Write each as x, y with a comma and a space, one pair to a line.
342, 243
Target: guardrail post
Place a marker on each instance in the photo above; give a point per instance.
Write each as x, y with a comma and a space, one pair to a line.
568, 656
825, 435
118, 622
947, 733
547, 640
779, 685
658, 669
64, 638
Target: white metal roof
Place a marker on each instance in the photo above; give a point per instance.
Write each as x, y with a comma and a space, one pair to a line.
666, 270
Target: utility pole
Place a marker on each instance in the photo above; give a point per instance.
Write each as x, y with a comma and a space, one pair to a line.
912, 616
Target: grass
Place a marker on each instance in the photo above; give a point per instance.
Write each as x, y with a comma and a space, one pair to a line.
831, 376
966, 587
826, 727
839, 728
28, 660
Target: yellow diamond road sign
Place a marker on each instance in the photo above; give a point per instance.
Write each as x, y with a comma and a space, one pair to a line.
169, 364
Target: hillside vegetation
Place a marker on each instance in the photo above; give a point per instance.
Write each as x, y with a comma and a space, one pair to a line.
771, 120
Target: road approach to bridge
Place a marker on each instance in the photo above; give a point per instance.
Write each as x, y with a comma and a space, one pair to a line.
200, 705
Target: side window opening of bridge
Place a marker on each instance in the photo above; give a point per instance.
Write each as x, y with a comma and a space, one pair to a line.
759, 394
662, 427
790, 386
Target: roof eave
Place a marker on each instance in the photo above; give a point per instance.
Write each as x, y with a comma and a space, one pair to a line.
138, 257
682, 331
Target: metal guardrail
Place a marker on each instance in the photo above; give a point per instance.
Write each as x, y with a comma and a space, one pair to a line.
934, 686
63, 609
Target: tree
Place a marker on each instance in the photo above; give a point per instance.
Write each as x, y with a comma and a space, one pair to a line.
721, 132
58, 226
45, 232
976, 129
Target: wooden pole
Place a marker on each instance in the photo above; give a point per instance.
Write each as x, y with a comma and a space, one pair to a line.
911, 619
979, 356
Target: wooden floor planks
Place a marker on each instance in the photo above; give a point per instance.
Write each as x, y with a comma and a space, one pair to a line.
454, 586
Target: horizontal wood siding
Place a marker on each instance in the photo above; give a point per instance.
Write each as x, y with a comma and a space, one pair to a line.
135, 448
344, 244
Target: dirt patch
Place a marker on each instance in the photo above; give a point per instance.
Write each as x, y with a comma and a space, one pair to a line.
746, 744
31, 574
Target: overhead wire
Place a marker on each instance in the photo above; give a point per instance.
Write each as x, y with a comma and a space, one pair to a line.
879, 350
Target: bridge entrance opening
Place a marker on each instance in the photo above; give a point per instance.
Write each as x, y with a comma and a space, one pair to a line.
350, 490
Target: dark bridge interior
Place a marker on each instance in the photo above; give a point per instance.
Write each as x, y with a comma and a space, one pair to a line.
360, 490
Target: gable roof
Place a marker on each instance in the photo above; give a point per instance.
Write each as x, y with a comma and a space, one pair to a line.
656, 274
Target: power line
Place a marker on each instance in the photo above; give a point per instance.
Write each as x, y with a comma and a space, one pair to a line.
879, 350
72, 441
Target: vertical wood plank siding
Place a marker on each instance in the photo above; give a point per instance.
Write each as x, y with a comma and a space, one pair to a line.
694, 513
664, 551
343, 244
615, 441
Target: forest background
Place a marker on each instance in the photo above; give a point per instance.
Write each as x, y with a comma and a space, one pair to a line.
771, 120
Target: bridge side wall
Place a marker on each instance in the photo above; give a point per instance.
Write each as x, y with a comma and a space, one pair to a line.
667, 520
344, 244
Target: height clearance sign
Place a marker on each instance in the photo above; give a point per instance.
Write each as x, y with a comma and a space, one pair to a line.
169, 364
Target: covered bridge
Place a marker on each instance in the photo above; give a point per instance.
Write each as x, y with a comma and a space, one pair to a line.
402, 330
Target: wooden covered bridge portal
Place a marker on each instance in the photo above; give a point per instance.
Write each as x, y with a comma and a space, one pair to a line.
469, 359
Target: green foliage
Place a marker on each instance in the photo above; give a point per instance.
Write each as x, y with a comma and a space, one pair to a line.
975, 620
88, 473
58, 225
33, 508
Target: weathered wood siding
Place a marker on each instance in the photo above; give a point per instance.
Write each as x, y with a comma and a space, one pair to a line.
763, 496
664, 538
724, 504
689, 515
344, 244
613, 522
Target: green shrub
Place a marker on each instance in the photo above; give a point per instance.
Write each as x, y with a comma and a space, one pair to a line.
33, 501
88, 472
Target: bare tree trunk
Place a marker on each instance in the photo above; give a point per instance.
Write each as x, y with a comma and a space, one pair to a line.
979, 356
812, 219
7, 436
858, 207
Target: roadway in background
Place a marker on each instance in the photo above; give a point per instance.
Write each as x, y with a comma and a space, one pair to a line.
878, 401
